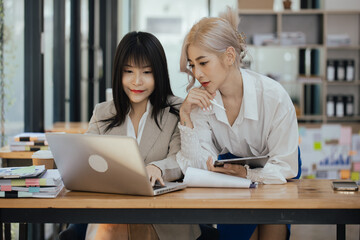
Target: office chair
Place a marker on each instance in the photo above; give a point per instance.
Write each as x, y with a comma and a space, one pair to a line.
78, 232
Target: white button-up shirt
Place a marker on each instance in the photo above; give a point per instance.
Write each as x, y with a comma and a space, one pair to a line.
266, 125
130, 130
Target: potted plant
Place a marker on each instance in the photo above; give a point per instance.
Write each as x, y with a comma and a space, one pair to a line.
287, 4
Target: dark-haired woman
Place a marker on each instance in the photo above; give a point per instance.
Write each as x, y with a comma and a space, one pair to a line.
145, 108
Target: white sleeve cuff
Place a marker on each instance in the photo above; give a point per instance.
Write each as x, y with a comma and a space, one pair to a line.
267, 175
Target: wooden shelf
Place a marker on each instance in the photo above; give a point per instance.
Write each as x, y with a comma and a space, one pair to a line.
343, 47
310, 117
6, 153
302, 12
345, 12
337, 83
255, 12
287, 46
343, 119
296, 12
316, 24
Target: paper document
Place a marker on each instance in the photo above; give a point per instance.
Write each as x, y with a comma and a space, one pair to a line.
195, 177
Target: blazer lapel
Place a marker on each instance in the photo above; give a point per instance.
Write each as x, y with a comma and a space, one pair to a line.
120, 130
151, 133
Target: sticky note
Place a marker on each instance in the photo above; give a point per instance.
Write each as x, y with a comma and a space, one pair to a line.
344, 174
345, 136
6, 188
356, 166
17, 182
24, 194
352, 153
42, 181
317, 146
34, 189
24, 170
355, 176
32, 182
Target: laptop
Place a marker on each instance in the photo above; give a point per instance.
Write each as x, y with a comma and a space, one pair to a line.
103, 163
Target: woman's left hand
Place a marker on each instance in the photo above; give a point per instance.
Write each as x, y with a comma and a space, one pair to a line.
230, 169
154, 174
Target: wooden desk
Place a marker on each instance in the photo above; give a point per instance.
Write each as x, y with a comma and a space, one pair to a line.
22, 158
69, 127
297, 202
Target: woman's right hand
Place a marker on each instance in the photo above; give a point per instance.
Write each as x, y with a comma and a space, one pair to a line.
196, 98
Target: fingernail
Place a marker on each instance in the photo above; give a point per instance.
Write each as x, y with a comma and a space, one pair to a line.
210, 107
204, 110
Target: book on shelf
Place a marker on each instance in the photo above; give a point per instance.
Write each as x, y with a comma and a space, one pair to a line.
22, 172
302, 70
25, 142
48, 185
29, 137
307, 99
312, 99
315, 62
309, 62
309, 4
30, 143
315, 90
26, 148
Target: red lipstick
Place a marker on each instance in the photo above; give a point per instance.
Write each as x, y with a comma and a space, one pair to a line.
204, 84
136, 91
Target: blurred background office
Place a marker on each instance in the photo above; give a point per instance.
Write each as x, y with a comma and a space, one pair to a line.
56, 63
56, 55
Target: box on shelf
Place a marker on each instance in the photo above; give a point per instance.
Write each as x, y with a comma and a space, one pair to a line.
263, 39
336, 40
255, 4
292, 38
345, 5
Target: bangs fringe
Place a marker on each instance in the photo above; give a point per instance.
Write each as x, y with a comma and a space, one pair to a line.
137, 56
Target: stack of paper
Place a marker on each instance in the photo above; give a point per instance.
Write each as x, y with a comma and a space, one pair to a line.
195, 177
22, 172
16, 185
29, 142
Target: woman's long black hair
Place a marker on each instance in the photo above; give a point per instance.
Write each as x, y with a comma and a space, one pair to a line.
141, 49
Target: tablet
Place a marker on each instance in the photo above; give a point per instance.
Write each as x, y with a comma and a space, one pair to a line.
345, 186
252, 162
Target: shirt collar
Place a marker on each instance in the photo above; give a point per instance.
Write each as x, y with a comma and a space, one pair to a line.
249, 102
219, 113
148, 107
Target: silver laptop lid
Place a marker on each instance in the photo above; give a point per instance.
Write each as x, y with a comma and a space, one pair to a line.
100, 163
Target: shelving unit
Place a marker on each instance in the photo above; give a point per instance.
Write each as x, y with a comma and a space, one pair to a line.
316, 24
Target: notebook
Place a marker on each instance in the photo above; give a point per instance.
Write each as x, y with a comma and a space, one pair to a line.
103, 163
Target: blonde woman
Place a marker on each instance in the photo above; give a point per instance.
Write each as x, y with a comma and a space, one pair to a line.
259, 118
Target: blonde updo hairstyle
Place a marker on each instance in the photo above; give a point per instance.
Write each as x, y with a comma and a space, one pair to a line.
215, 35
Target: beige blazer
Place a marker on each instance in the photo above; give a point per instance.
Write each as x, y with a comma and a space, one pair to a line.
157, 147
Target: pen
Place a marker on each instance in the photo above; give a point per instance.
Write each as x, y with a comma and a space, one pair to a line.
214, 102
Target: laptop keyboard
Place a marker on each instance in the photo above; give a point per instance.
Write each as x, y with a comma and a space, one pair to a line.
157, 186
